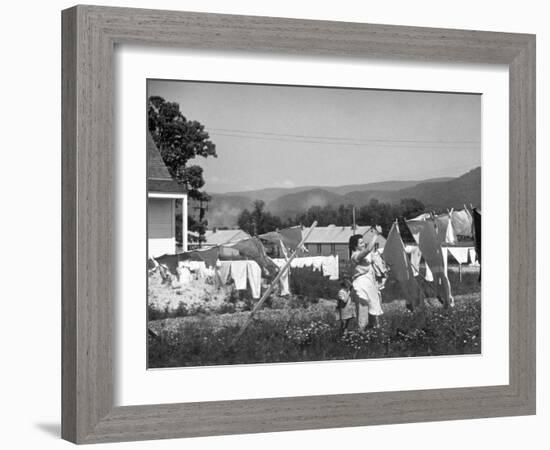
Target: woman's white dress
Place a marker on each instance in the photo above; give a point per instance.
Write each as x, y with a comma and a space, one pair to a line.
366, 292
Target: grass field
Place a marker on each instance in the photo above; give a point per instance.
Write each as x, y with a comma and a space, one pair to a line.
289, 332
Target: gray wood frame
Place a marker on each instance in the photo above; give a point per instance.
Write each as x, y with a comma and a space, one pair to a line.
89, 36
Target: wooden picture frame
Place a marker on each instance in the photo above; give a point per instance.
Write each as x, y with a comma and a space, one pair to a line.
89, 37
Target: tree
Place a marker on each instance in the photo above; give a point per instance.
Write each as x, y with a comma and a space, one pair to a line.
411, 207
180, 140
258, 221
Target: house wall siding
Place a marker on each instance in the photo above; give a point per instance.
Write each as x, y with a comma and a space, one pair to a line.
161, 222
328, 249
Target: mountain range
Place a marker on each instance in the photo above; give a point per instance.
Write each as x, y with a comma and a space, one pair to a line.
435, 193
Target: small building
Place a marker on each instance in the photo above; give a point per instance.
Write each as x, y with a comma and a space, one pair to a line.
220, 237
162, 192
334, 240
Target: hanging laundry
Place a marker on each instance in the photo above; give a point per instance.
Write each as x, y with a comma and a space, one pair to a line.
228, 253
330, 267
415, 255
238, 274
429, 276
445, 232
476, 213
472, 256
171, 262
209, 256
425, 232
224, 271
423, 216
373, 237
254, 277
476, 216
292, 237
462, 223
460, 254
400, 268
283, 281
253, 249
317, 264
445, 253
184, 275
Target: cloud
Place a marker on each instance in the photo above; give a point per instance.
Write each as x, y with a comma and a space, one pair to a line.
286, 184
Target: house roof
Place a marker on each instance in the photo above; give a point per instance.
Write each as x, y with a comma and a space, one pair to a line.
158, 176
334, 234
220, 237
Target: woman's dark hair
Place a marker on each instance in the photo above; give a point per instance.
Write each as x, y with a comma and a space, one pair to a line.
353, 243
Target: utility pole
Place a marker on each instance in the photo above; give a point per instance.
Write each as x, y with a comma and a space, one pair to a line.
203, 207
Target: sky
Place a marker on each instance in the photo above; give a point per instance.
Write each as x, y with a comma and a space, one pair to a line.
288, 136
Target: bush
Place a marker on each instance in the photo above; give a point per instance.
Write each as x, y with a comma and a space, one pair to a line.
312, 285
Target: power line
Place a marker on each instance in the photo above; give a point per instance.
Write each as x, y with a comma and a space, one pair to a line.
251, 133
357, 143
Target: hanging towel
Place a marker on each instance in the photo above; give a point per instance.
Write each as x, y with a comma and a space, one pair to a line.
473, 257
238, 274
396, 259
284, 284
445, 232
254, 277
225, 271
462, 223
460, 254
283, 281
434, 257
317, 262
416, 255
331, 268
445, 253
184, 275
429, 275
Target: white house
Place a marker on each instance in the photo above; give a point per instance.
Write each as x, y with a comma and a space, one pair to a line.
334, 240
162, 192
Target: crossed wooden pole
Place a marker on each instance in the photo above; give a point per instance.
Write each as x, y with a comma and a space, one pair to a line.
272, 285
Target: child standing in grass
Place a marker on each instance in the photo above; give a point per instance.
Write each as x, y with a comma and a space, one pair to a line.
345, 308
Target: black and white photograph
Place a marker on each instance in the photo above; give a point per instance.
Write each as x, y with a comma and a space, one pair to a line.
294, 224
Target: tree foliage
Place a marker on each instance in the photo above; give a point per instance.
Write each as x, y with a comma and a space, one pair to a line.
180, 140
258, 221
373, 213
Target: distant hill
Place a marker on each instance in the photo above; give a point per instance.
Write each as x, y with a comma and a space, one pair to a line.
436, 194
454, 193
271, 194
290, 204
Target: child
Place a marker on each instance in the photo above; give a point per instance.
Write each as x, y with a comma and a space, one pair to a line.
345, 308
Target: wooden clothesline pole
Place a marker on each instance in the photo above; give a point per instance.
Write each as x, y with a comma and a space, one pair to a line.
273, 284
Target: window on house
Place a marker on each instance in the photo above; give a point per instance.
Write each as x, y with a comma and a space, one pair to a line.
319, 248
333, 249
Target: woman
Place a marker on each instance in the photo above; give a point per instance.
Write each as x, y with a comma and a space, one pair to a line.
365, 284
